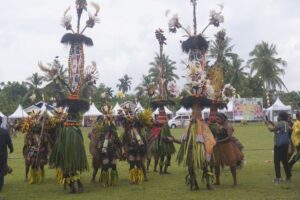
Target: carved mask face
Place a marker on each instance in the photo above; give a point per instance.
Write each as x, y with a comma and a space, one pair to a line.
195, 55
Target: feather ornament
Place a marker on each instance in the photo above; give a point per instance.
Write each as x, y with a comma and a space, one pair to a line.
66, 20
91, 74
96, 7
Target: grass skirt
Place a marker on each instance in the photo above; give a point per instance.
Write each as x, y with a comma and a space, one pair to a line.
68, 152
161, 146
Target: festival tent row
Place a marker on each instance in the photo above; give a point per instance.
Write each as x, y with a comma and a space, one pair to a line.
38, 106
168, 112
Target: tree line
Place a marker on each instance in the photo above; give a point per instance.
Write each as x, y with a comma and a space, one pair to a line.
260, 76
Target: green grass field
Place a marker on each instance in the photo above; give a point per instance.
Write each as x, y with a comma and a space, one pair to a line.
255, 179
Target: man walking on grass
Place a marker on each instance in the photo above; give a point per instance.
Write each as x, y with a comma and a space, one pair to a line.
5, 141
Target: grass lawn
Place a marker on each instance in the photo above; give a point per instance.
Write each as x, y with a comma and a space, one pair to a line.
255, 179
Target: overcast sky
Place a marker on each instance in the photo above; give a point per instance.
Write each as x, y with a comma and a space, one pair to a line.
124, 40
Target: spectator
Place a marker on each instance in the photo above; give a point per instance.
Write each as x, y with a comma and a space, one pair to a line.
281, 146
5, 141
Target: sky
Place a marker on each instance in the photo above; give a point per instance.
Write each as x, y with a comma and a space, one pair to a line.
124, 40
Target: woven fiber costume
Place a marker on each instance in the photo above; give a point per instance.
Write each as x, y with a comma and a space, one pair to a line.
35, 149
109, 148
134, 144
197, 143
68, 154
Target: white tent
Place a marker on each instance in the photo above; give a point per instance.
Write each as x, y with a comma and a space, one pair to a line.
139, 108
117, 108
168, 112
93, 111
4, 121
44, 109
32, 108
19, 113
228, 111
278, 106
183, 111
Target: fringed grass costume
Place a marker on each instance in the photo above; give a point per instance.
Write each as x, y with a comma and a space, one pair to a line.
198, 141
35, 149
135, 145
226, 151
68, 154
109, 151
161, 141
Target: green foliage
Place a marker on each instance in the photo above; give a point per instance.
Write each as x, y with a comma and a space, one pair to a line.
11, 95
290, 98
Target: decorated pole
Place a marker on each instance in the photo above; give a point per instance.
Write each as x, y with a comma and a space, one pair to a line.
161, 140
161, 40
194, 2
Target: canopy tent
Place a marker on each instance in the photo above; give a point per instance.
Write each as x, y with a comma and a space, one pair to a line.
117, 109
19, 113
2, 115
93, 111
90, 116
38, 106
278, 106
138, 108
168, 112
183, 111
45, 109
4, 121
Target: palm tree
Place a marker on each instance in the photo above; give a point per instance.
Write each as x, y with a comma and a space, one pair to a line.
141, 89
221, 50
168, 73
34, 81
265, 65
55, 74
236, 70
125, 84
109, 92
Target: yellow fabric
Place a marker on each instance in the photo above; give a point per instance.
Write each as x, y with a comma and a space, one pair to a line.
296, 133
